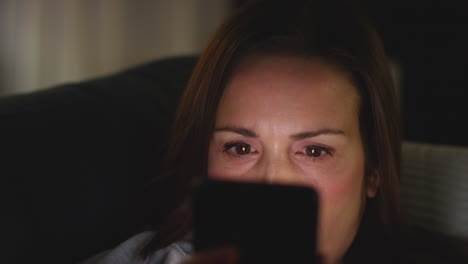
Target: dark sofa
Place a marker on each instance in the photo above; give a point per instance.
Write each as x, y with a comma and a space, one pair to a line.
75, 159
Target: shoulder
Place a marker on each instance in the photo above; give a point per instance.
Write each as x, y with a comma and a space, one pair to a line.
129, 252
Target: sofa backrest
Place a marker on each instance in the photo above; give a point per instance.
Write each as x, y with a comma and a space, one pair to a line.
74, 159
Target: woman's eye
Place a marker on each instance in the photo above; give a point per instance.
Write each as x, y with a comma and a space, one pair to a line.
239, 148
316, 151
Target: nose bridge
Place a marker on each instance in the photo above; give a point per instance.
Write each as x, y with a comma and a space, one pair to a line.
277, 167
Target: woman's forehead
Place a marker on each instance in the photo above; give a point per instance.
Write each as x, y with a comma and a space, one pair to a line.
304, 75
280, 78
287, 89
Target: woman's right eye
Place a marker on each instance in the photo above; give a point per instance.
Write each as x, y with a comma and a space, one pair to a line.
239, 148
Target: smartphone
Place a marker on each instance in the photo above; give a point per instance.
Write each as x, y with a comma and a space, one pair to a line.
267, 223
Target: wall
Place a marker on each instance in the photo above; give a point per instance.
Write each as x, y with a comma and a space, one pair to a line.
46, 42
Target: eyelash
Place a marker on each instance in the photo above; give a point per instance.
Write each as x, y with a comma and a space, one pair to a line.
229, 146
324, 151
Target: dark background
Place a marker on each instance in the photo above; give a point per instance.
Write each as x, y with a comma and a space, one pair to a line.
429, 41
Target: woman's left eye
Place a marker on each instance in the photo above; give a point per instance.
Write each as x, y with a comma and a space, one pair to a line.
239, 148
316, 152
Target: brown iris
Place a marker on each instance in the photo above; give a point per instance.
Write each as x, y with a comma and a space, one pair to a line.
243, 149
314, 151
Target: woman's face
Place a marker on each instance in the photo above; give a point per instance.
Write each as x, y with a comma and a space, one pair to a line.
287, 120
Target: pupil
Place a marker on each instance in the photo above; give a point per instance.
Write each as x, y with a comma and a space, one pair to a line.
313, 152
243, 149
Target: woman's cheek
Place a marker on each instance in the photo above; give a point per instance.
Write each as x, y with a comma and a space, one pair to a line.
343, 186
338, 190
229, 168
319, 175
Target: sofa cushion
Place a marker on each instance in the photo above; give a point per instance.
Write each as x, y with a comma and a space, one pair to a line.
434, 187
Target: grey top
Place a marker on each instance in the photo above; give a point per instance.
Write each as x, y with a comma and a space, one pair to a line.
128, 252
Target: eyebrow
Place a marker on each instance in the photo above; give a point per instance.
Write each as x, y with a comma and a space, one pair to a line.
238, 130
299, 136
309, 134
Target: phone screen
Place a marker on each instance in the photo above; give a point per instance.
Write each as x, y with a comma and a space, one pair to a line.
267, 223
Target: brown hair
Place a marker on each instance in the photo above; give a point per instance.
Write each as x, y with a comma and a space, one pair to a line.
311, 29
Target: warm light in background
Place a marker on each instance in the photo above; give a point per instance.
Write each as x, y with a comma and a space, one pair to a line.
46, 42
